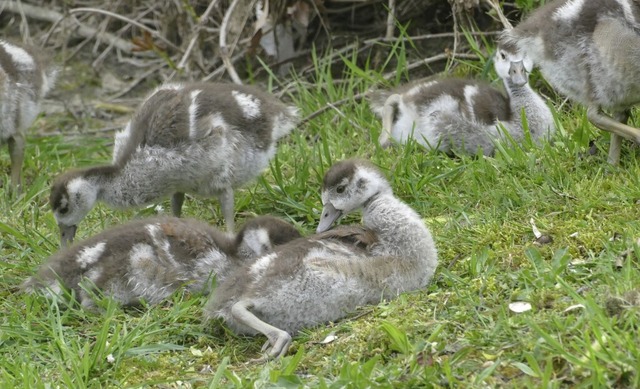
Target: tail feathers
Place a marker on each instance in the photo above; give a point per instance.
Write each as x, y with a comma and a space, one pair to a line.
285, 122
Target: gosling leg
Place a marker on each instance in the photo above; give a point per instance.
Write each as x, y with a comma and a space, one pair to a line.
226, 206
16, 153
176, 203
617, 129
278, 339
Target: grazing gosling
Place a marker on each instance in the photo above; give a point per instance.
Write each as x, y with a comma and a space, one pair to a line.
150, 259
321, 278
457, 115
25, 78
201, 138
590, 52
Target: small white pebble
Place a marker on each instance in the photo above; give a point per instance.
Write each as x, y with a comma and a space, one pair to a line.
330, 338
520, 306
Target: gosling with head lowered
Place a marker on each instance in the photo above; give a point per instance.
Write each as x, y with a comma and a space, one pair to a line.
456, 115
150, 259
321, 278
200, 138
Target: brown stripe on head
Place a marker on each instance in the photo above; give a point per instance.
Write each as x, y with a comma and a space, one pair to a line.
59, 197
507, 42
346, 169
59, 185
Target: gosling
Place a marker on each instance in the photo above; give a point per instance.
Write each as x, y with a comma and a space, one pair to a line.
466, 116
590, 52
322, 278
148, 260
25, 78
201, 138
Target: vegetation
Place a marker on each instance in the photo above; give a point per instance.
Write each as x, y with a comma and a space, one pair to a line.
457, 332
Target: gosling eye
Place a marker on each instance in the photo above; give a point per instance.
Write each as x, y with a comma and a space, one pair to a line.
340, 189
63, 210
503, 56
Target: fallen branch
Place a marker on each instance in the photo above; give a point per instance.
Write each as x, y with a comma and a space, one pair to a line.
226, 51
496, 7
391, 19
141, 26
196, 34
52, 16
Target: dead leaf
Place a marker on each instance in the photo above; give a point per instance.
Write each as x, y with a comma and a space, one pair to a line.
300, 12
536, 231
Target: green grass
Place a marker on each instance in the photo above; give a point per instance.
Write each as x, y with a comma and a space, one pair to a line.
457, 332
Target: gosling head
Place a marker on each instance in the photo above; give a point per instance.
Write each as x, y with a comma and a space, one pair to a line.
260, 235
72, 197
512, 65
347, 186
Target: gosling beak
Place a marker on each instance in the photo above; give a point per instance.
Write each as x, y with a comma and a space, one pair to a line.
329, 215
518, 73
67, 233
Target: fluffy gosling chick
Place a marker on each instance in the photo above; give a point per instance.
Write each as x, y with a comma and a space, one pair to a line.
25, 78
321, 278
458, 115
588, 50
150, 259
200, 138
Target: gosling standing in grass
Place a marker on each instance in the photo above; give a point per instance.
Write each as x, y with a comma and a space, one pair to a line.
589, 50
458, 115
201, 138
25, 78
322, 278
150, 259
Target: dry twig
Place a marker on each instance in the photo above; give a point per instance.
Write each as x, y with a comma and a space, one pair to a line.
496, 7
391, 19
225, 50
52, 16
196, 33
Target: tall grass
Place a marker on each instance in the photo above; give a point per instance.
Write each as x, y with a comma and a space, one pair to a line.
458, 332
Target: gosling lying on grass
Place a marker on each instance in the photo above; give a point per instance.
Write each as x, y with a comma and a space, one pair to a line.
150, 259
464, 116
321, 278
